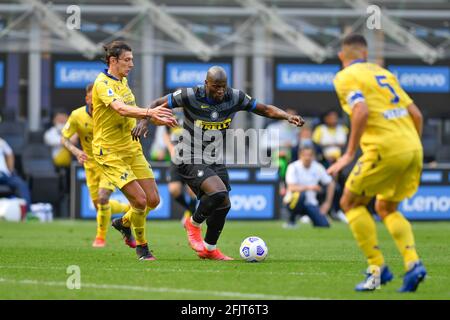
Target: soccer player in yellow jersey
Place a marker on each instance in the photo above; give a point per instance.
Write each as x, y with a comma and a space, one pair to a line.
120, 157
80, 123
387, 125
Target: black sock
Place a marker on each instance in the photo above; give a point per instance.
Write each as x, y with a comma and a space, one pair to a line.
215, 223
208, 203
201, 213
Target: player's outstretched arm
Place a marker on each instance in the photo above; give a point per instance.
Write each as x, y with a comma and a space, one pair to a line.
417, 117
141, 128
81, 156
159, 114
360, 114
272, 112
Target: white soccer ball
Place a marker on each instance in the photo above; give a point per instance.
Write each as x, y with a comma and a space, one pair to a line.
253, 249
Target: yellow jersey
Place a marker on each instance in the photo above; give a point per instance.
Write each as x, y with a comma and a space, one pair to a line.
390, 129
112, 132
80, 122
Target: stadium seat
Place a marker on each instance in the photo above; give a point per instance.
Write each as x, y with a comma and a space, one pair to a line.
36, 137
430, 129
430, 148
5, 191
8, 114
37, 160
15, 134
38, 167
443, 154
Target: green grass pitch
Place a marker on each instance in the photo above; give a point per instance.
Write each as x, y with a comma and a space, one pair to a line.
303, 263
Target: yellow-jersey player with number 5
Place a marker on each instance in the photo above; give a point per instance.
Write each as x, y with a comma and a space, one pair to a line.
387, 125
119, 156
80, 122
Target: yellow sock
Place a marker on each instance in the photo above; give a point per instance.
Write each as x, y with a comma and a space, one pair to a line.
118, 207
364, 230
138, 222
147, 211
400, 229
126, 218
103, 220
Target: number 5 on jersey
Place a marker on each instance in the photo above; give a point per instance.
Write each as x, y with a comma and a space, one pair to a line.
381, 80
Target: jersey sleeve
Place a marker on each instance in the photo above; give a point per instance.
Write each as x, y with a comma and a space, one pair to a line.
290, 175
175, 99
4, 146
70, 128
245, 102
349, 91
105, 92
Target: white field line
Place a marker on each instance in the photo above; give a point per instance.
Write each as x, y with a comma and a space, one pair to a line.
220, 294
174, 270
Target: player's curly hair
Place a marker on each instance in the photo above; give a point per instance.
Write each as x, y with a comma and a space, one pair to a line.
115, 49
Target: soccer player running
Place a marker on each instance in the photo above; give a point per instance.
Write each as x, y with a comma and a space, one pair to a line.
80, 122
387, 125
177, 187
210, 108
120, 157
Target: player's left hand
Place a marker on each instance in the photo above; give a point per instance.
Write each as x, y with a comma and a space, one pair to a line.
296, 120
341, 163
141, 129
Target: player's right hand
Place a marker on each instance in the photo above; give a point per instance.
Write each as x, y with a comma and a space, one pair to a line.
162, 116
82, 157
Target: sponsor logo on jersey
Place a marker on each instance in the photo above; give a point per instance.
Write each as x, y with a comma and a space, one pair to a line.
395, 113
206, 125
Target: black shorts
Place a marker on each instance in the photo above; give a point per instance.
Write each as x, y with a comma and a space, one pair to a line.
173, 175
195, 174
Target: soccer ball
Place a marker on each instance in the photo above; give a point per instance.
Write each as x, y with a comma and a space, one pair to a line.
253, 249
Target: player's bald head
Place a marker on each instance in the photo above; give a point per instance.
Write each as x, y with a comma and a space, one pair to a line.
216, 83
216, 73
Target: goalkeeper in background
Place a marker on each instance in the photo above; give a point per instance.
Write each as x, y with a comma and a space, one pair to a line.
80, 123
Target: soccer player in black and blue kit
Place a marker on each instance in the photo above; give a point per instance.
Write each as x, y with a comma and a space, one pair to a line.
210, 108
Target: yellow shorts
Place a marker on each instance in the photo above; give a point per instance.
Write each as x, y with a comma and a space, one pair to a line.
95, 180
393, 178
122, 168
